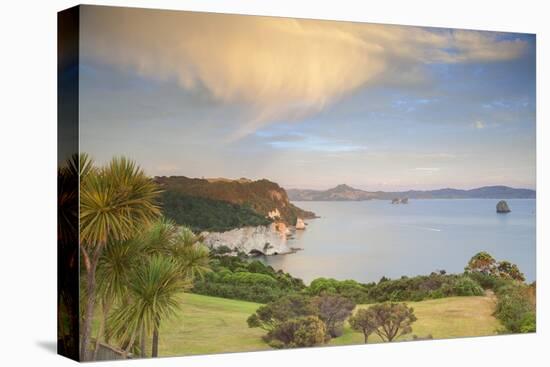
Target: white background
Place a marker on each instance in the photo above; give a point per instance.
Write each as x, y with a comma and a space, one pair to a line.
28, 181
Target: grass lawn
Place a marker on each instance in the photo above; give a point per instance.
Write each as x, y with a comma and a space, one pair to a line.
208, 325
451, 317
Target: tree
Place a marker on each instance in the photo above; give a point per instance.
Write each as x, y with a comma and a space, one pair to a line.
270, 316
153, 288
184, 247
116, 201
482, 262
188, 258
365, 322
333, 310
114, 271
304, 331
67, 258
393, 320
508, 270
192, 255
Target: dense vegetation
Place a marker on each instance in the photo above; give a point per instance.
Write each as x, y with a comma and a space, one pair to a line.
261, 196
203, 214
516, 301
388, 320
238, 278
435, 285
134, 263
300, 320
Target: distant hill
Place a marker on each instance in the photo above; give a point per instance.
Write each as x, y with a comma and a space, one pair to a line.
348, 193
247, 198
338, 193
202, 214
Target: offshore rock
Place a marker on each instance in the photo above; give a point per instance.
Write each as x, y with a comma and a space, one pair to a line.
502, 207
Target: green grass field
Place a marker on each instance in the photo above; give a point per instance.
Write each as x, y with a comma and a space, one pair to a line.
218, 325
210, 325
451, 317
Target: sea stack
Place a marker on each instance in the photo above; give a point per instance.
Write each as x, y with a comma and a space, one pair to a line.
502, 207
300, 224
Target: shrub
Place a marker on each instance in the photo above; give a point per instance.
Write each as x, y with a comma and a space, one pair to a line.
488, 269
271, 315
486, 281
238, 278
333, 310
357, 292
515, 309
246, 278
529, 323
482, 262
365, 322
300, 332
508, 270
464, 286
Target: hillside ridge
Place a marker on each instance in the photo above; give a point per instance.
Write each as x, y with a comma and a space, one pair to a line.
345, 192
261, 196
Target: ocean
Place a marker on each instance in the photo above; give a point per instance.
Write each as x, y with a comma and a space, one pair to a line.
365, 240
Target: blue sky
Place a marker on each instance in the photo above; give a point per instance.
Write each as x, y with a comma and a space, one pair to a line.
308, 104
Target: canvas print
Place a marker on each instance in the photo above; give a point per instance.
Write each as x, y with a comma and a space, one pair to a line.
234, 183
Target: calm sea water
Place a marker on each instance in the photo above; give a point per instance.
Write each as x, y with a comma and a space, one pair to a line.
370, 239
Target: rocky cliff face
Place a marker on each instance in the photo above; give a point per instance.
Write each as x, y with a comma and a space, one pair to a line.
260, 240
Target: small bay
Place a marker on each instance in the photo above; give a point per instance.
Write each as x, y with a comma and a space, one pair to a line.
365, 240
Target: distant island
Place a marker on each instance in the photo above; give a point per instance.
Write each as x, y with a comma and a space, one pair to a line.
347, 193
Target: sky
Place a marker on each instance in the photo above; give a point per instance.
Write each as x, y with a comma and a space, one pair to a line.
307, 103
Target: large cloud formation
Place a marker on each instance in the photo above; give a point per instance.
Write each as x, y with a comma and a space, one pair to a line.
276, 67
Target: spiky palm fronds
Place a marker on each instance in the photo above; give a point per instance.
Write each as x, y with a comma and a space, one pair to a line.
115, 202
153, 288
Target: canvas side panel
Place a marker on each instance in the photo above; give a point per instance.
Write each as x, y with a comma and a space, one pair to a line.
68, 22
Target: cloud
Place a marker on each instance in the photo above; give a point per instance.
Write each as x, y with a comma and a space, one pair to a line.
276, 68
479, 124
309, 143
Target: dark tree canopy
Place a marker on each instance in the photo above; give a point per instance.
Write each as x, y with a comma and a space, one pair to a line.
365, 322
508, 270
333, 310
270, 316
304, 331
482, 262
393, 320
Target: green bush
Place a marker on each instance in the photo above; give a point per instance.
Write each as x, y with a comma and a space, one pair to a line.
488, 281
300, 332
515, 309
246, 278
529, 323
357, 292
464, 286
238, 278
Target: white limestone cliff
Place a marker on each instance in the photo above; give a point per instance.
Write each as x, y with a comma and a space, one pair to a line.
266, 240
